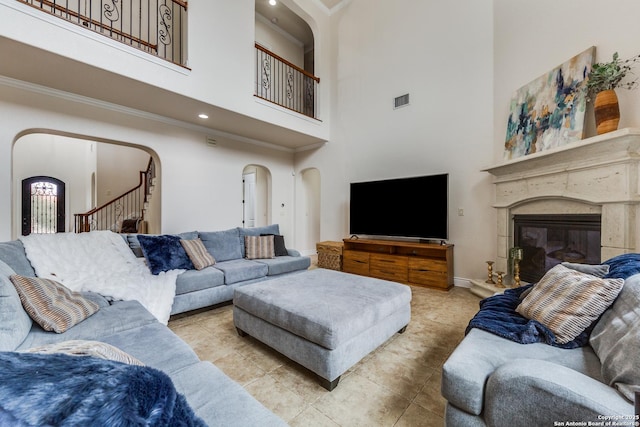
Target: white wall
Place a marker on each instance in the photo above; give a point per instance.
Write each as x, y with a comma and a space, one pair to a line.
441, 54
308, 210
531, 38
118, 170
281, 44
201, 185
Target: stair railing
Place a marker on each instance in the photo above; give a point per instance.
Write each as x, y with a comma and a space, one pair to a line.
130, 205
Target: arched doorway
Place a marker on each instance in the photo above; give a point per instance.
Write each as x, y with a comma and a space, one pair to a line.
43, 205
93, 172
256, 196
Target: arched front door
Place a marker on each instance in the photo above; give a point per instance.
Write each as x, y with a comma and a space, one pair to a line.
42, 205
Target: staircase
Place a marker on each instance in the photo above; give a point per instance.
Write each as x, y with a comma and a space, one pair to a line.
125, 213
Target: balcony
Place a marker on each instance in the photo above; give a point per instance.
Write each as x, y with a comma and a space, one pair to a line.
285, 84
157, 27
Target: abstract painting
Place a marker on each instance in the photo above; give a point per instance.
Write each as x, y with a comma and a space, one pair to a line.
549, 112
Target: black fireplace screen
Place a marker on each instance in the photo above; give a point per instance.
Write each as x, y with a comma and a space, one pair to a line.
548, 240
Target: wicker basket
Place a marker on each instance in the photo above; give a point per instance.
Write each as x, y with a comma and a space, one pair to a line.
330, 255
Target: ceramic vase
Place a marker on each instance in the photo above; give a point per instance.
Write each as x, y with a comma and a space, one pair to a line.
606, 111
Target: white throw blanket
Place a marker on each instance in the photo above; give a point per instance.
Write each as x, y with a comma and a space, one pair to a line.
101, 261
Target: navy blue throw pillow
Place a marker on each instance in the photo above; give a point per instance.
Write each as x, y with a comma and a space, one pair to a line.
164, 253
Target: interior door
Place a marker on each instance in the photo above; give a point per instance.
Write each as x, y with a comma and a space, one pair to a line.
249, 199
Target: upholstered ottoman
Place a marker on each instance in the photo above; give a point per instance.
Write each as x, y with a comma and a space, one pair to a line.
323, 319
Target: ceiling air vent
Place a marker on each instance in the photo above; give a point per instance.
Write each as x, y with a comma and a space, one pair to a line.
401, 101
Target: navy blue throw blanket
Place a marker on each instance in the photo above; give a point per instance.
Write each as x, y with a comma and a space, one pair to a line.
63, 390
623, 266
498, 314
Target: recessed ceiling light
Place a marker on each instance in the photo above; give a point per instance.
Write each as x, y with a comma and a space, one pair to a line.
203, 116
272, 2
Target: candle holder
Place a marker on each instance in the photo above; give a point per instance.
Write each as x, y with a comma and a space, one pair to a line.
515, 257
490, 273
516, 273
500, 283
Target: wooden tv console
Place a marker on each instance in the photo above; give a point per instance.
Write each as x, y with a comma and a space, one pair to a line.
419, 264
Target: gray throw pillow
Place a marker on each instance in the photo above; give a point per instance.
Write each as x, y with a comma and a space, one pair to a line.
616, 340
15, 323
598, 270
13, 254
223, 245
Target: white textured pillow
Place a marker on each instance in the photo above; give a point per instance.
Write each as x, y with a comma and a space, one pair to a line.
87, 348
568, 301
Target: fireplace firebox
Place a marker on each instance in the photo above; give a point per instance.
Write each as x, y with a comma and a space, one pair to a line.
548, 240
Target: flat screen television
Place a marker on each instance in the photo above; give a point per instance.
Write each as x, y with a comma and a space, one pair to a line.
415, 207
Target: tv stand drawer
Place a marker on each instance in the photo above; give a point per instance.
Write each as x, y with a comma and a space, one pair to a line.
355, 262
433, 279
388, 267
428, 272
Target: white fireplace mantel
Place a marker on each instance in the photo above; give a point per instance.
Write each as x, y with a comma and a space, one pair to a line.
595, 175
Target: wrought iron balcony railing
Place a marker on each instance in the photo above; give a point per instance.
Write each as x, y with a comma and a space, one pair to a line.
154, 26
283, 83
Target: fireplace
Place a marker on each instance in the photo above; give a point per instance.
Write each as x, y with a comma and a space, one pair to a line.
548, 240
597, 176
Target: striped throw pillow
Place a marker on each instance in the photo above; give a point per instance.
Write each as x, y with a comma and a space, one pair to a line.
259, 247
197, 253
52, 305
568, 301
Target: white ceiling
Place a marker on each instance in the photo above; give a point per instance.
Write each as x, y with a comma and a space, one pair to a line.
330, 4
282, 17
291, 23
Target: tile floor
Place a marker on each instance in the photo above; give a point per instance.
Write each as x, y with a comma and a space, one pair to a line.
396, 385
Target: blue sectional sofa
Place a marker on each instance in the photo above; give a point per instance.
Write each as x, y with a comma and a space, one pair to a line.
492, 381
213, 285
130, 328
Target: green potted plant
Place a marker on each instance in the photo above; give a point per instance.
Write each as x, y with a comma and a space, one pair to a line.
602, 81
